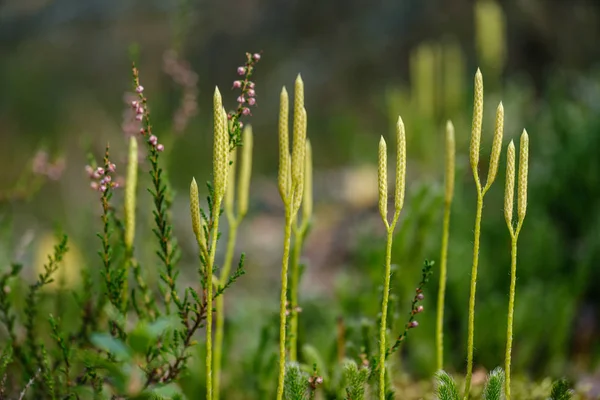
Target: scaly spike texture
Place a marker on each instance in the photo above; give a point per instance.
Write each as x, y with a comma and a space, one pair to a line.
245, 172
196, 219
284, 147
477, 122
448, 195
514, 233
509, 190
445, 387
523, 171
220, 142
400, 164
298, 145
299, 188
382, 181
496, 147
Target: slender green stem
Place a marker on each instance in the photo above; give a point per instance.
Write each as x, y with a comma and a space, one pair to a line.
511, 309
283, 299
442, 288
384, 307
471, 327
209, 295
220, 309
294, 282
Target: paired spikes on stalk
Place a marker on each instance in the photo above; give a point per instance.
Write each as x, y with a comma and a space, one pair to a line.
491, 176
400, 175
509, 193
292, 166
476, 137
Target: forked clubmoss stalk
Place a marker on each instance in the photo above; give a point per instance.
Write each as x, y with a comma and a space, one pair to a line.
514, 233
481, 191
448, 195
398, 203
234, 221
291, 183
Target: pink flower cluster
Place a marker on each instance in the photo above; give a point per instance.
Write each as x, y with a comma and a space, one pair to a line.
101, 177
248, 96
182, 74
42, 165
140, 112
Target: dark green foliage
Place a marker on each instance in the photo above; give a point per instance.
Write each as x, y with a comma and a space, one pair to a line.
494, 386
561, 390
445, 387
296, 383
355, 380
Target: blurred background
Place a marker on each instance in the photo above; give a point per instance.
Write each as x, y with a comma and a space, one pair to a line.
65, 78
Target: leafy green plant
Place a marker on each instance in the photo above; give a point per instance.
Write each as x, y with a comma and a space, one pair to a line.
493, 389
561, 390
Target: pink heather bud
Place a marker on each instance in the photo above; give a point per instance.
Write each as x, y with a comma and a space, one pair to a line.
256, 56
100, 171
250, 85
139, 89
153, 140
419, 310
251, 93
420, 296
245, 111
241, 70
134, 104
139, 110
413, 324
252, 101
142, 131
237, 84
95, 175
89, 170
160, 147
102, 188
139, 117
241, 99
319, 379
112, 167
115, 185
241, 124
94, 185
